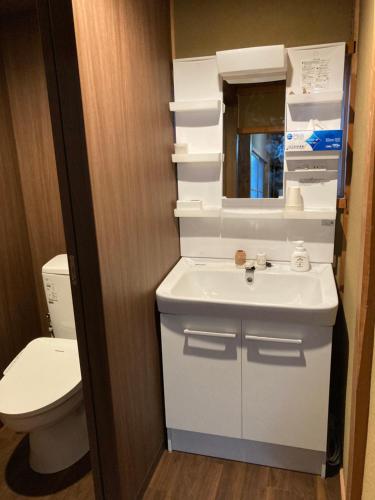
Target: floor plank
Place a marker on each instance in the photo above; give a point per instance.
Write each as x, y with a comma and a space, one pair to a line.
182, 476
18, 481
178, 476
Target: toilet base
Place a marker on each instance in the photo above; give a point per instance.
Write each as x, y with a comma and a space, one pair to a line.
60, 445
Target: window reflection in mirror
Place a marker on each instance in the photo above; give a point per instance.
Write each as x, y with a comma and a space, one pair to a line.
254, 140
260, 165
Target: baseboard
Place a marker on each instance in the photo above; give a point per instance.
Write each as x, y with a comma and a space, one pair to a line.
282, 457
342, 484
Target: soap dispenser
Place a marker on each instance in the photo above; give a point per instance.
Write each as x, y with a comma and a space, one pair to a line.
300, 258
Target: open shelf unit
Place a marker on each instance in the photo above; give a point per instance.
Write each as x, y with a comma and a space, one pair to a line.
311, 175
310, 214
324, 214
199, 105
312, 160
330, 97
211, 212
198, 158
311, 155
234, 213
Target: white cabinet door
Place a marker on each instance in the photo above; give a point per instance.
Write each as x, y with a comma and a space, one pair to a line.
202, 374
285, 383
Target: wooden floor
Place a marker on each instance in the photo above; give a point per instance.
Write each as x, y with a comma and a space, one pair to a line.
18, 481
180, 476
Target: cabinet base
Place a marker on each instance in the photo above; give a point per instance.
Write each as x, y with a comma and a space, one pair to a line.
272, 455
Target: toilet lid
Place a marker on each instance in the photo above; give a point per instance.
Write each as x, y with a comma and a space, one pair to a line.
45, 372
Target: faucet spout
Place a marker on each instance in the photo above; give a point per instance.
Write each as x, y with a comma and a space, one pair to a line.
249, 274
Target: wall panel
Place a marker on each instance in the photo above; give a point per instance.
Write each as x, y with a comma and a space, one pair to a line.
24, 70
19, 318
124, 63
202, 28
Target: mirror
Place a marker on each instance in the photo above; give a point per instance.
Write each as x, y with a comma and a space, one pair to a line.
254, 139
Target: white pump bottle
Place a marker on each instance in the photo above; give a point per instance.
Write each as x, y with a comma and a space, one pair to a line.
300, 260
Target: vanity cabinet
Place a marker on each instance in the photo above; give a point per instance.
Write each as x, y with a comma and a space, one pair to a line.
202, 374
264, 382
285, 383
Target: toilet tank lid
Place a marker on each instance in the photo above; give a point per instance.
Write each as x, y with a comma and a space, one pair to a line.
57, 265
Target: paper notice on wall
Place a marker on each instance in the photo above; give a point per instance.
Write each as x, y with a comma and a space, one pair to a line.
315, 74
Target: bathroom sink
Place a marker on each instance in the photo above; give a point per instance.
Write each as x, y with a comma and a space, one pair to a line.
217, 287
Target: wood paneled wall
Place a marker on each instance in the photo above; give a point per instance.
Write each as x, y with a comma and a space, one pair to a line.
19, 318
31, 230
202, 28
24, 70
124, 63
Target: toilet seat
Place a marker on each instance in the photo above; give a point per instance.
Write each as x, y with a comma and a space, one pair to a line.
43, 375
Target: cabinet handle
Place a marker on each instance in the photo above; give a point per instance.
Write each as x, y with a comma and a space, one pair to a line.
273, 339
210, 334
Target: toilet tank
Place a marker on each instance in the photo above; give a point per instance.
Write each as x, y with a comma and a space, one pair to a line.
56, 282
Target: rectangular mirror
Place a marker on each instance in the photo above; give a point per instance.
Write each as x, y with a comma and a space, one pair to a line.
254, 139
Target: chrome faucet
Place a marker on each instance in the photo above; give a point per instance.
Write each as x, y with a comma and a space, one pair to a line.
249, 274
250, 270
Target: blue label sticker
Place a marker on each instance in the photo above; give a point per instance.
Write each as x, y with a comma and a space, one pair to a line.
325, 140
317, 140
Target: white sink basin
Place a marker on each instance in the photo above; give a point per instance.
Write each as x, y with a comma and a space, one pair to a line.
217, 287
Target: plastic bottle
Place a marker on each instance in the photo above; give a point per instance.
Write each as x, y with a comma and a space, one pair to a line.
300, 260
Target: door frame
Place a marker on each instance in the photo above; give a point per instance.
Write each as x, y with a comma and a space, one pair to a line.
365, 316
56, 24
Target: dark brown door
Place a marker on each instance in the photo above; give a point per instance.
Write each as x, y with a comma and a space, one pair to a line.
108, 67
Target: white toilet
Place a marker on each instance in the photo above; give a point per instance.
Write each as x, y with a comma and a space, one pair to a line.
41, 390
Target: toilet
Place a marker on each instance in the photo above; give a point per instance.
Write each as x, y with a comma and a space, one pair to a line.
41, 390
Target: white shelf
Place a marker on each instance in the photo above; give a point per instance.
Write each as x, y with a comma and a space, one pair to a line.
312, 160
310, 214
280, 214
210, 212
252, 213
305, 175
331, 97
191, 106
198, 158
313, 155
311, 165
214, 212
